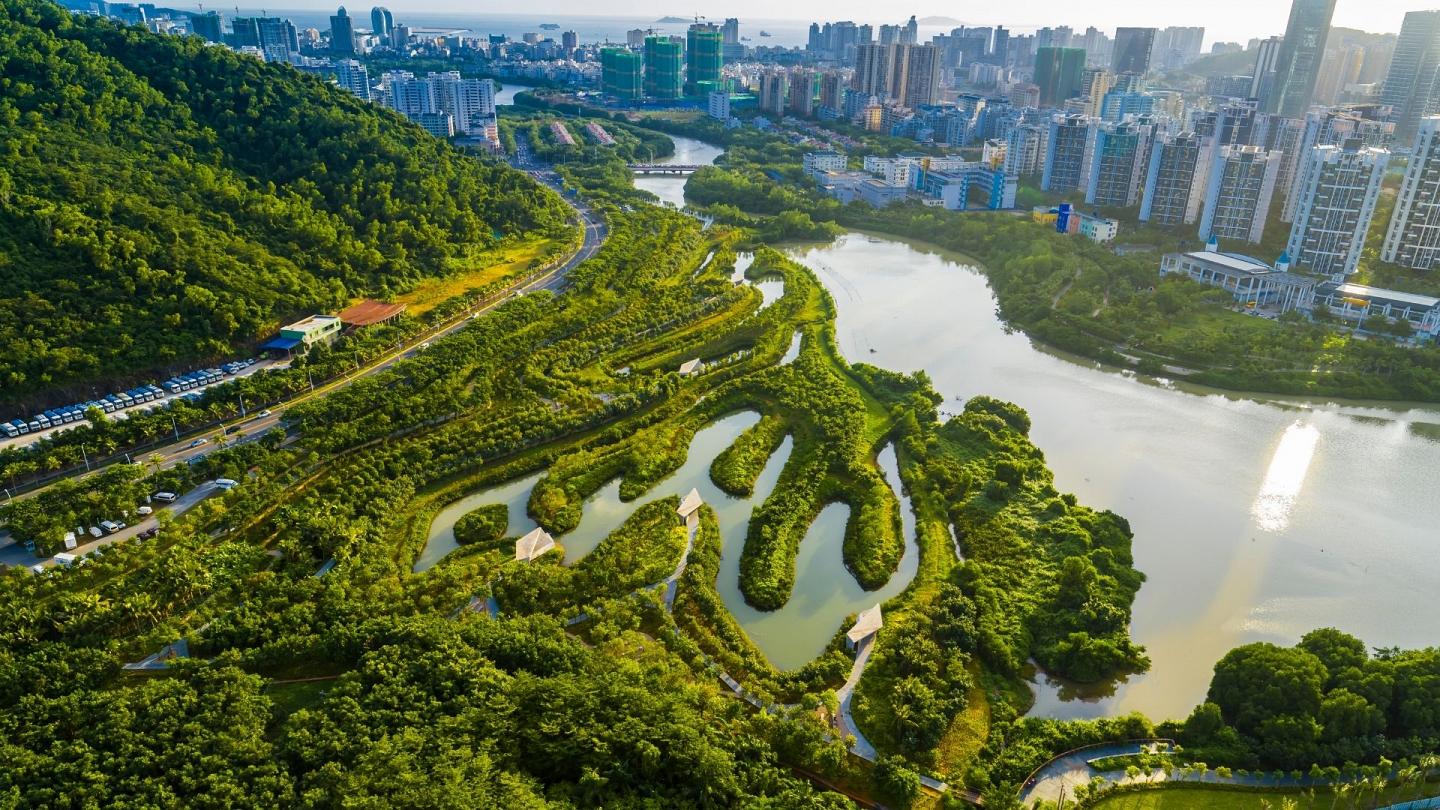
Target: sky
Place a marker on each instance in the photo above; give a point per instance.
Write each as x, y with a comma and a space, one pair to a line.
1234, 20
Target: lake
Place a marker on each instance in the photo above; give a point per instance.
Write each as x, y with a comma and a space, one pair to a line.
1255, 518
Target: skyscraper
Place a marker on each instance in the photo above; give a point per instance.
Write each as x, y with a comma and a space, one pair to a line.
1169, 176
704, 57
1241, 185
1133, 47
730, 31
342, 33
275, 37
1413, 237
569, 41
872, 69
622, 73
1262, 80
1338, 188
773, 85
209, 25
352, 76
664, 67
1117, 165
1298, 64
1067, 154
1059, 73
916, 72
382, 22
1024, 150
1411, 86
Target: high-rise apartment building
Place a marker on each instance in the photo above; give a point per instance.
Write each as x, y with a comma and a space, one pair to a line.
664, 67
353, 76
1024, 150
409, 96
1297, 66
342, 33
916, 80
872, 69
773, 87
1169, 176
569, 41
470, 102
802, 87
1337, 190
704, 58
1117, 165
1412, 87
622, 73
1133, 47
1319, 128
1413, 237
209, 25
1067, 153
1240, 188
1059, 73
1177, 46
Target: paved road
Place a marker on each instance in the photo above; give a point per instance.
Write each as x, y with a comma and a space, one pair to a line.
595, 233
15, 554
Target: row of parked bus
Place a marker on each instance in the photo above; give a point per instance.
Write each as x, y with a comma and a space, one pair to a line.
124, 399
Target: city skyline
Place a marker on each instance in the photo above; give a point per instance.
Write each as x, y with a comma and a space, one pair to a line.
1224, 20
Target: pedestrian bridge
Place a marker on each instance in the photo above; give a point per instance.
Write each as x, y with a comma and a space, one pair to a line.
663, 168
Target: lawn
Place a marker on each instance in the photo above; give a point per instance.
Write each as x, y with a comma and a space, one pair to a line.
1185, 798
484, 268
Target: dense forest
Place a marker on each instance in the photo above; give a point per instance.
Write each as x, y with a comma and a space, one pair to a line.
165, 202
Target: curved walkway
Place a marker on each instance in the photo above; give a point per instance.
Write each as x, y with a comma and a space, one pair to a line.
1056, 780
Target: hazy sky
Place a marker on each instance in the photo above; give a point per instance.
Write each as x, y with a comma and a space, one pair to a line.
1223, 19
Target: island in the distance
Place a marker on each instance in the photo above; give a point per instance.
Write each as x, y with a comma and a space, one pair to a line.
673, 20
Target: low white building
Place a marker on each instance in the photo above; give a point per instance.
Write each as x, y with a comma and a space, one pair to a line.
866, 625
690, 368
691, 502
817, 164
533, 545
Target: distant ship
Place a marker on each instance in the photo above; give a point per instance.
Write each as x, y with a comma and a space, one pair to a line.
764, 33
550, 26
744, 39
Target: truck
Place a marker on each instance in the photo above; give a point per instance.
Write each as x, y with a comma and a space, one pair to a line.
65, 559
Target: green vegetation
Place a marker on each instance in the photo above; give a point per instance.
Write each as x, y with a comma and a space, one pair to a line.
1083, 298
1326, 700
483, 526
164, 202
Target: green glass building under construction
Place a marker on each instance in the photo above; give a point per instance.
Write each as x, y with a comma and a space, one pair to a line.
621, 73
704, 57
664, 67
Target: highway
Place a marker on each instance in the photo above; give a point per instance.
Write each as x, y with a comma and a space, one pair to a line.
251, 427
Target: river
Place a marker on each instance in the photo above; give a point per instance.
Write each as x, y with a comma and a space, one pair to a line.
1256, 518
688, 152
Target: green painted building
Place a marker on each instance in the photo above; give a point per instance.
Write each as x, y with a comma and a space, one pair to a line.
664, 67
704, 56
622, 73
1058, 73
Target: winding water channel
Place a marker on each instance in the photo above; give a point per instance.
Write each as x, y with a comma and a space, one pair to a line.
1256, 518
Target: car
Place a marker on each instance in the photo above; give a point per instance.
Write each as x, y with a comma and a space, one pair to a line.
164, 497
199, 442
263, 414
145, 510
111, 526
148, 533
226, 483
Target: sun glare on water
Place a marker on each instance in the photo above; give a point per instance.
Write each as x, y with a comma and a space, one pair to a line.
1286, 475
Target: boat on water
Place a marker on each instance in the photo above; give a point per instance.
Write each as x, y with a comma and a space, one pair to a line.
764, 33
550, 26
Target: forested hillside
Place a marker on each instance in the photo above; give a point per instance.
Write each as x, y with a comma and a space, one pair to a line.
163, 201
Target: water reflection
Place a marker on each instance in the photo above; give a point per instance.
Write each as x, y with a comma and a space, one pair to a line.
1284, 478
688, 152
1183, 464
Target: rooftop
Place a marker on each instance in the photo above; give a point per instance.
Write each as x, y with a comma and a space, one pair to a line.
690, 503
1234, 261
369, 312
534, 544
312, 322
866, 624
1363, 291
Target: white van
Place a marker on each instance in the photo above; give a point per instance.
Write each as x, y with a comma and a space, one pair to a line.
164, 497
226, 483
